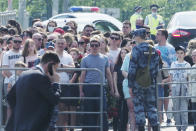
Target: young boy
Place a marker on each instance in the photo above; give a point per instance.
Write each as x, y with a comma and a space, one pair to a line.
15, 77
12, 81
180, 75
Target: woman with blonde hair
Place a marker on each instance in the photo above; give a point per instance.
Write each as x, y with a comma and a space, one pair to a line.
191, 46
29, 53
103, 45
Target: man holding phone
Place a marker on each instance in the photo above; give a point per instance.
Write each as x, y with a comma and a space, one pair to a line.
33, 97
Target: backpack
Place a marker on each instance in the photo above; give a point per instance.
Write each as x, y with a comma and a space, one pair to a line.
143, 77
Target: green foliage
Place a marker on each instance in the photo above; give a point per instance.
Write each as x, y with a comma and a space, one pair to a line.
42, 8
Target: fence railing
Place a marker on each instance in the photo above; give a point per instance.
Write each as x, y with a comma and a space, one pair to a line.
100, 112
7, 15
188, 82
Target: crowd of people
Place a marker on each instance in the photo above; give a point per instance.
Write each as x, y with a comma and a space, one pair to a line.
119, 56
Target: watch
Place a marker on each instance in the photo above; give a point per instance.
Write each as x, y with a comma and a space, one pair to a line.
61, 65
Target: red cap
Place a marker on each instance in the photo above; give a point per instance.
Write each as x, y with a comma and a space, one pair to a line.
60, 31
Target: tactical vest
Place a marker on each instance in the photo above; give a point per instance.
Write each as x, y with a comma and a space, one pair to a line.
133, 19
154, 23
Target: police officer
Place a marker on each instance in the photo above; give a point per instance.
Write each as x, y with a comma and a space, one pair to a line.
154, 20
144, 99
135, 16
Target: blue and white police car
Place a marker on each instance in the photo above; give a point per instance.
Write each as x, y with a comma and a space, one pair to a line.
87, 15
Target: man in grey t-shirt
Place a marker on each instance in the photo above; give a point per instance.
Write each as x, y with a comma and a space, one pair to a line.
101, 62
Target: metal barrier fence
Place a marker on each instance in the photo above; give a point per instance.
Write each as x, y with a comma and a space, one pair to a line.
5, 16
100, 112
174, 97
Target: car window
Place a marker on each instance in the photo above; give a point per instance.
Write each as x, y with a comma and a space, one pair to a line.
172, 22
64, 16
187, 20
105, 26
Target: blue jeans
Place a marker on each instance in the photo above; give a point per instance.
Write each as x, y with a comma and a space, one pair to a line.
94, 106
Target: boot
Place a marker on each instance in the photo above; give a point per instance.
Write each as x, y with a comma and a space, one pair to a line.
141, 128
155, 128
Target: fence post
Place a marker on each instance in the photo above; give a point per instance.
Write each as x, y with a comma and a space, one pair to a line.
1, 107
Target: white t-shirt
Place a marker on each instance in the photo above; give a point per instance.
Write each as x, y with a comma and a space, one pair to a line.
112, 55
29, 60
12, 79
41, 52
180, 75
9, 59
66, 59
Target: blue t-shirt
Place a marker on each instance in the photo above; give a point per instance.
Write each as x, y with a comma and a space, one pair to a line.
168, 54
125, 67
99, 62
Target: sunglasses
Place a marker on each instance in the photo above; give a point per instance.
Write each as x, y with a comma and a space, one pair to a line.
147, 32
50, 40
39, 39
94, 45
114, 38
17, 41
125, 27
39, 26
81, 43
133, 42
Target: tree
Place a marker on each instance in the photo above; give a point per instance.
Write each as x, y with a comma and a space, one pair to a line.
42, 8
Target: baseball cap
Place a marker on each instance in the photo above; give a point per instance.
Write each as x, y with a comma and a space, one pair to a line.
180, 48
139, 32
60, 31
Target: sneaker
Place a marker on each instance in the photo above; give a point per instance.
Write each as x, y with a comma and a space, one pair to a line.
168, 121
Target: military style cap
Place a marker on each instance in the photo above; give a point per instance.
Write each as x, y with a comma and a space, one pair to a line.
154, 6
137, 8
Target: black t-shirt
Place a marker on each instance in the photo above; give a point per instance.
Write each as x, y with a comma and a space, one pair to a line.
120, 78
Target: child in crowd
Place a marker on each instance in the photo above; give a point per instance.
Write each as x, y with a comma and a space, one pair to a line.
14, 76
193, 87
180, 75
13, 79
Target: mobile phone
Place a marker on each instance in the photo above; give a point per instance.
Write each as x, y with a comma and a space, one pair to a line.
50, 69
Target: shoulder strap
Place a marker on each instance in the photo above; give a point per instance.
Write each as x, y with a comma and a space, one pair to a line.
24, 59
130, 56
150, 54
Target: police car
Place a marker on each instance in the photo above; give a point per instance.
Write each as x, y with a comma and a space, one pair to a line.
88, 15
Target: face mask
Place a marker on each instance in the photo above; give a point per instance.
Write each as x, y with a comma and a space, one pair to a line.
140, 13
50, 28
139, 26
154, 13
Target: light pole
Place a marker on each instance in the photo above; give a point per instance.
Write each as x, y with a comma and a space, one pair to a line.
9, 5
66, 5
23, 17
55, 7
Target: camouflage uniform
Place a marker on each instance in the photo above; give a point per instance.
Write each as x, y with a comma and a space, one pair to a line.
144, 99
